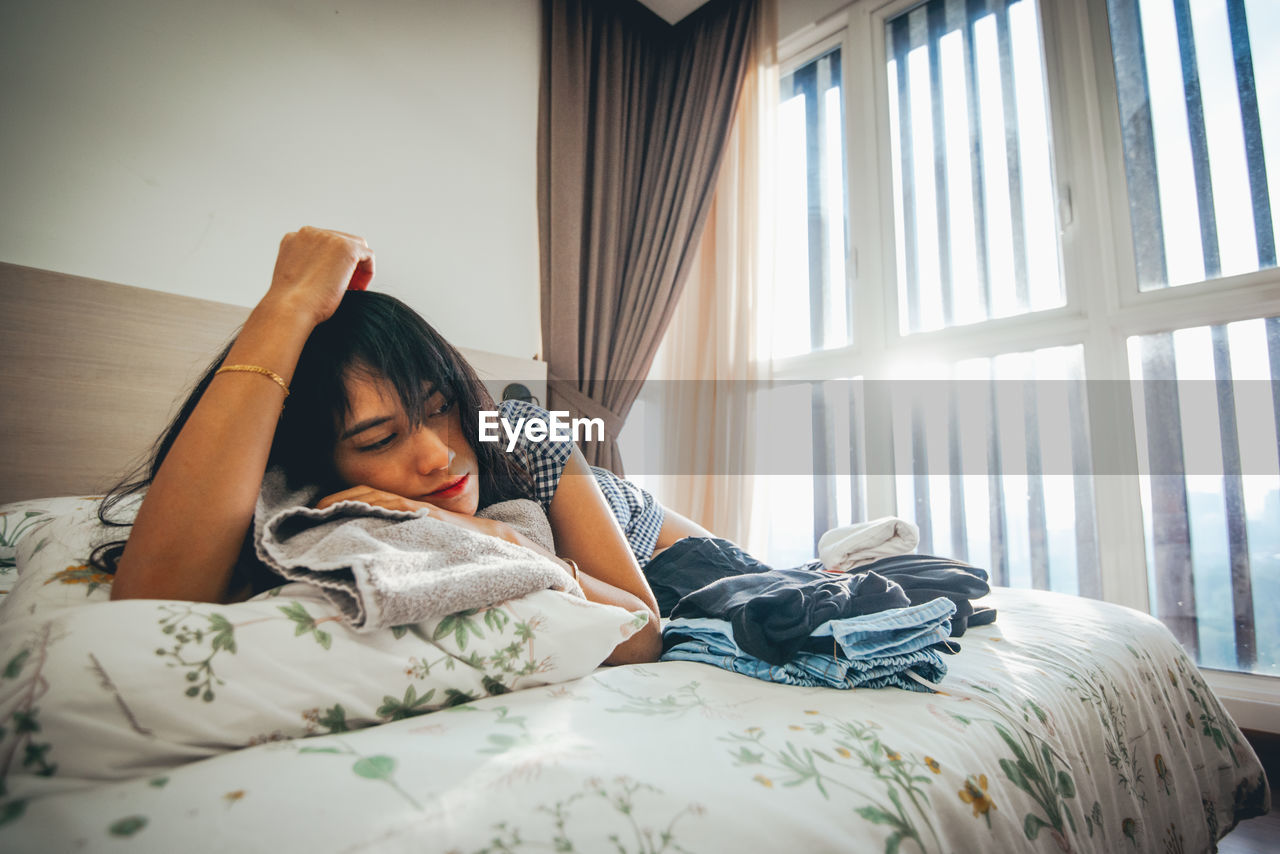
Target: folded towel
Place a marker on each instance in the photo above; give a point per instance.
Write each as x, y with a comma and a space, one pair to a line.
390, 567
850, 546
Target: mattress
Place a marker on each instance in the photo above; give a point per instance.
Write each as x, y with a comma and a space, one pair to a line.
1067, 725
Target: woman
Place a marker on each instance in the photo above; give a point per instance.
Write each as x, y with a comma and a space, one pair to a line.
372, 419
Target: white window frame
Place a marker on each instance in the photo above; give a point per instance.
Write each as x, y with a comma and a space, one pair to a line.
1104, 306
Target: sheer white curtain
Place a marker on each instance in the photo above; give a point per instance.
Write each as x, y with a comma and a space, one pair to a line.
702, 376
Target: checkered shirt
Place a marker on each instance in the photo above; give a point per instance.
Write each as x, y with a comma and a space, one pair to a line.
639, 516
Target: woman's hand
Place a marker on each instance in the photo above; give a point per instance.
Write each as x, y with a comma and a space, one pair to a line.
391, 501
315, 266
373, 497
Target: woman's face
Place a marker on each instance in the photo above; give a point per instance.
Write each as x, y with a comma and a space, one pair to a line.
377, 448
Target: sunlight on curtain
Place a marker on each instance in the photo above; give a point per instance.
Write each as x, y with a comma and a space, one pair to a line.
691, 424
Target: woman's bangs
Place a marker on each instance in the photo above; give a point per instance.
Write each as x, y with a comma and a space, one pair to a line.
402, 352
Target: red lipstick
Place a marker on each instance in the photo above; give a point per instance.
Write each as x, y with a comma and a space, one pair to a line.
452, 489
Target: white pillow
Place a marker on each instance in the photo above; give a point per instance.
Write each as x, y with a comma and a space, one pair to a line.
51, 555
97, 690
23, 524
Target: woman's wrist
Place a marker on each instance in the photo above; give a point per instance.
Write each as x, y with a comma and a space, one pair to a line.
272, 337
504, 531
511, 535
285, 311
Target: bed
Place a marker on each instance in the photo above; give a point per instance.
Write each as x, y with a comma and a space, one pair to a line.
269, 725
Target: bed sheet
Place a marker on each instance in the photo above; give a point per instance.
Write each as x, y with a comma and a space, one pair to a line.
1069, 725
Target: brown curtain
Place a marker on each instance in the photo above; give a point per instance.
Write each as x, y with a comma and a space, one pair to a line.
633, 119
709, 360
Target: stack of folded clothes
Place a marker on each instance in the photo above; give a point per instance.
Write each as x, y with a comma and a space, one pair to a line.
871, 651
882, 625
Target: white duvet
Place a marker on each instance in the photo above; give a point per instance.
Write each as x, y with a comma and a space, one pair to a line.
1068, 725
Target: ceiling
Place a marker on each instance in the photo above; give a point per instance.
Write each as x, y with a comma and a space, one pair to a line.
672, 11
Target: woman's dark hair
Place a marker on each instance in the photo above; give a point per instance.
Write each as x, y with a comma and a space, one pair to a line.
372, 334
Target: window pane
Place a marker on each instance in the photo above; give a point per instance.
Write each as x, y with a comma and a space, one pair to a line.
810, 467
1199, 101
977, 233
994, 465
784, 494
813, 309
1206, 420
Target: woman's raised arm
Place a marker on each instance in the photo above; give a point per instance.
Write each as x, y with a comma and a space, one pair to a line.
199, 507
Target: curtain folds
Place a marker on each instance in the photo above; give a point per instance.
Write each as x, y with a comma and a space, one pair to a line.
633, 119
707, 367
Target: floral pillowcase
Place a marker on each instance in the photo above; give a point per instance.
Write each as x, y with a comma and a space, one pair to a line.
23, 524
94, 690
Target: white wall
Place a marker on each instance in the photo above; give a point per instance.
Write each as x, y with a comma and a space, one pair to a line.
794, 15
170, 143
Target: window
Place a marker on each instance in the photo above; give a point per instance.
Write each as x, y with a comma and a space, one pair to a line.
1206, 418
810, 464
816, 312
1200, 111
1062, 301
996, 469
975, 226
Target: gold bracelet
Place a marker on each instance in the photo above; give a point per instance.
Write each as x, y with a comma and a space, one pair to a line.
573, 566
256, 369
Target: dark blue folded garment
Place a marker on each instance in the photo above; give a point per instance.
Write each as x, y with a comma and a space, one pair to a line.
774, 613
692, 563
926, 577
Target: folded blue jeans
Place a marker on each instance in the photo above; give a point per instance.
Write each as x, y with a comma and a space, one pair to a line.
870, 651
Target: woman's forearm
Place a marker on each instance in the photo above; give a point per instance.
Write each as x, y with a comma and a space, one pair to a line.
586, 531
198, 509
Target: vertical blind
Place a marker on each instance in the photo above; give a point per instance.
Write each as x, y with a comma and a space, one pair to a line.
1199, 103
816, 309
1207, 410
995, 466
972, 173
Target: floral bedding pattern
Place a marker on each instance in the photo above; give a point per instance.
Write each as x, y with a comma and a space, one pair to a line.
1069, 725
24, 520
94, 690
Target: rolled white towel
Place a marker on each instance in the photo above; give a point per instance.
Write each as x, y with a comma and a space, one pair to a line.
850, 546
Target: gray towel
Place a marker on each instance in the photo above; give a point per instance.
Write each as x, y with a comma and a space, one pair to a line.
390, 567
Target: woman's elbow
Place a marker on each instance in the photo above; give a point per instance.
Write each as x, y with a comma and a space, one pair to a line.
132, 582
145, 580
641, 648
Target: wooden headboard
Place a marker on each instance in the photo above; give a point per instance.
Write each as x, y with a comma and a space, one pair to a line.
91, 372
